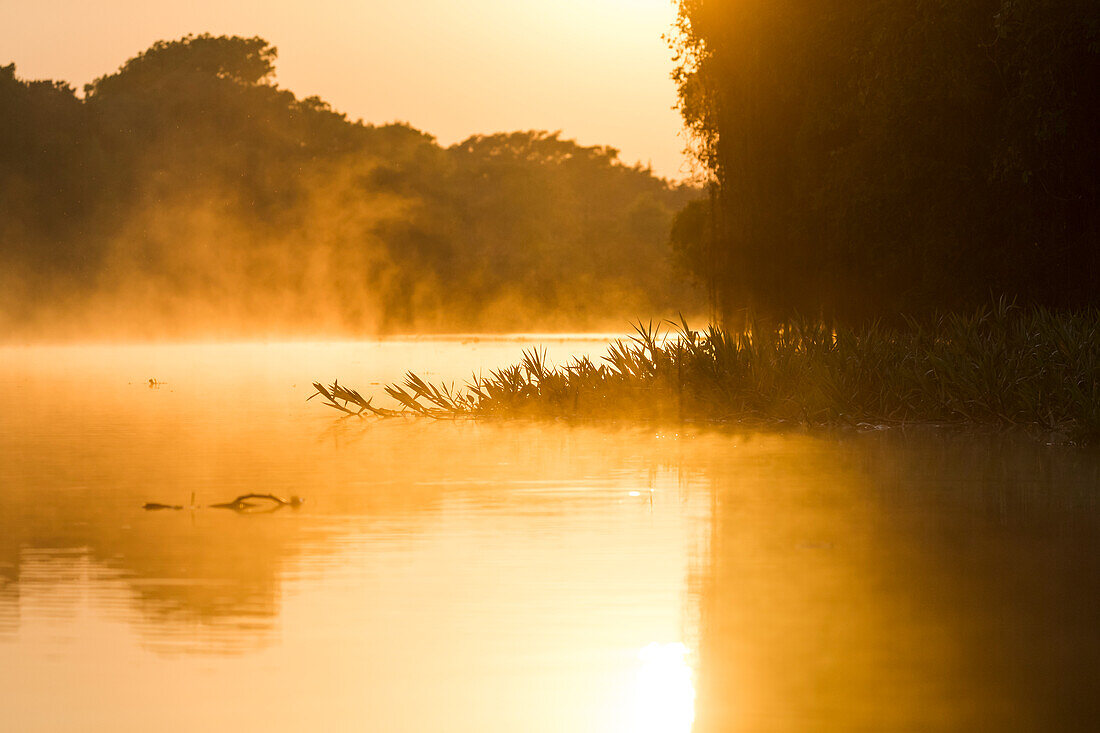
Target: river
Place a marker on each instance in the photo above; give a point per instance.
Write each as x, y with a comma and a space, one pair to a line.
507, 576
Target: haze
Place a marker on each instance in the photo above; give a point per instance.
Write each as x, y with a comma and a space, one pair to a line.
596, 69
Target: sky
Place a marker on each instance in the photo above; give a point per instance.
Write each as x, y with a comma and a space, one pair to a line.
598, 70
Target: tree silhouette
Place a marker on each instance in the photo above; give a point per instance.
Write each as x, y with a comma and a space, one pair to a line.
872, 158
189, 181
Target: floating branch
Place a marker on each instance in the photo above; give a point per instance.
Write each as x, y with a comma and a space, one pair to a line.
243, 503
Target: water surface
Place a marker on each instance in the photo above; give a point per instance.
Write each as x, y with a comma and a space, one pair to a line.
516, 576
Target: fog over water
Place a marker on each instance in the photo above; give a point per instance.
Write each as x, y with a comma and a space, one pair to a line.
539, 576
851, 353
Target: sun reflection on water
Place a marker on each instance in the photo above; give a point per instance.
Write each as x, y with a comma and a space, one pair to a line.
664, 690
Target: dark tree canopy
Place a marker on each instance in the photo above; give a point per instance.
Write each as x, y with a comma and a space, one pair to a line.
875, 157
188, 182
241, 60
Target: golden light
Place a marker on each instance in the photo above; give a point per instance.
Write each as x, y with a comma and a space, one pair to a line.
664, 691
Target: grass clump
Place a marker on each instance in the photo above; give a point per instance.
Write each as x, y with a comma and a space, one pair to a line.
1002, 365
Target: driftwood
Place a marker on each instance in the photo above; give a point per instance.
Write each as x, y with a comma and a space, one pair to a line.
243, 503
248, 501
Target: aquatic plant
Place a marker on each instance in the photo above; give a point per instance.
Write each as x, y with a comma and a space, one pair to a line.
1001, 365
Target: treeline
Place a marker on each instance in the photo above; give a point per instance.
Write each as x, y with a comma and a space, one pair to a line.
186, 192
871, 158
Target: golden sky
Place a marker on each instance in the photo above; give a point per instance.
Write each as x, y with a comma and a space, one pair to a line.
595, 69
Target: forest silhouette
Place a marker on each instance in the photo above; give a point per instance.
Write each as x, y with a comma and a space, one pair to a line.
874, 158
865, 160
188, 194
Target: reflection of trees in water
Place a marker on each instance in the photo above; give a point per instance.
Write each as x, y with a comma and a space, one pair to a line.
1014, 528
9, 586
868, 581
926, 583
209, 569
213, 580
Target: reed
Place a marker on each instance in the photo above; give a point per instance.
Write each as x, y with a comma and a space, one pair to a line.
1001, 365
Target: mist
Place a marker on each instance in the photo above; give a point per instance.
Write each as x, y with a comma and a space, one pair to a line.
187, 196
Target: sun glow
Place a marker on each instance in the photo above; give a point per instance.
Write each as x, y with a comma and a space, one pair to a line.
664, 691
595, 69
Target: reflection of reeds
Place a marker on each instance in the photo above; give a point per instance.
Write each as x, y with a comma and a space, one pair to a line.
1002, 365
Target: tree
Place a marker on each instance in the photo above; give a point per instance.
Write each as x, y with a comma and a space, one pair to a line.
194, 185
873, 157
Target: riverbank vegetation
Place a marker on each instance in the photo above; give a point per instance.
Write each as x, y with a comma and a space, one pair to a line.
188, 194
998, 366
